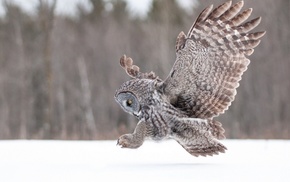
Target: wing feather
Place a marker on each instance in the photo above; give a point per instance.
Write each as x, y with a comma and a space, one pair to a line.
211, 60
134, 71
237, 20
233, 11
217, 12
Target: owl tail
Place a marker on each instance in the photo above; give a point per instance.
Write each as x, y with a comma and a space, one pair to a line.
204, 151
199, 137
216, 129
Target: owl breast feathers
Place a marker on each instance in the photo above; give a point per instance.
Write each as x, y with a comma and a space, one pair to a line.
202, 83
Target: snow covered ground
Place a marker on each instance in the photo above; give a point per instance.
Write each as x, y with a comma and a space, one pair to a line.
94, 161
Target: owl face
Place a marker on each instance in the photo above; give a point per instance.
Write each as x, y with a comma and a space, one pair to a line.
134, 94
129, 102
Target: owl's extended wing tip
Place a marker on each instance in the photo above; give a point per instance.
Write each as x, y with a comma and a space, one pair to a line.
134, 70
127, 64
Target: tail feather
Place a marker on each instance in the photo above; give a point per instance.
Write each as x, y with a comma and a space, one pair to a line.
204, 151
216, 129
199, 137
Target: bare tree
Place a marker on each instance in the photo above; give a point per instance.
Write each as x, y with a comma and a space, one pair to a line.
86, 92
46, 21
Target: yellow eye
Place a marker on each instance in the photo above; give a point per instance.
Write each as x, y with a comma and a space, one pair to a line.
129, 102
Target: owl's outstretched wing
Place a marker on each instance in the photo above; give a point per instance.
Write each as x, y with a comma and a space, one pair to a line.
211, 60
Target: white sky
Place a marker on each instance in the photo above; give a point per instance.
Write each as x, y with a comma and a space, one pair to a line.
139, 7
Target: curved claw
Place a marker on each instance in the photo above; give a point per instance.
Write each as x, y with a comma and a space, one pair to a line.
123, 142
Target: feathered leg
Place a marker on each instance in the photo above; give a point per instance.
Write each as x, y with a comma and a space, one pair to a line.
135, 139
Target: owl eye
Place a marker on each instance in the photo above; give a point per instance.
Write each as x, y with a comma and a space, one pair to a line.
129, 102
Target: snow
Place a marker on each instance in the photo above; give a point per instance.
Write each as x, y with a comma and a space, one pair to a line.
88, 161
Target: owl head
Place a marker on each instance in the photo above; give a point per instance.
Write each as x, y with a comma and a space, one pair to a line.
137, 93
134, 94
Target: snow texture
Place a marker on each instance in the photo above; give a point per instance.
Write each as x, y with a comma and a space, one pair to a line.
94, 161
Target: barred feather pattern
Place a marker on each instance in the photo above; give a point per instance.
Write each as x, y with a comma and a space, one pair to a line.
160, 120
210, 62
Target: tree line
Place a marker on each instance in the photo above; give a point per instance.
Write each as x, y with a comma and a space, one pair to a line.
59, 73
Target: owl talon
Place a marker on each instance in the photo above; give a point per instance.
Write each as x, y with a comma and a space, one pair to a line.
123, 141
122, 145
129, 141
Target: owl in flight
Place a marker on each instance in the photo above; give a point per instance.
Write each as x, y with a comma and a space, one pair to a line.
202, 83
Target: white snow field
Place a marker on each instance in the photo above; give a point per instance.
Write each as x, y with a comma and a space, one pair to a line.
97, 161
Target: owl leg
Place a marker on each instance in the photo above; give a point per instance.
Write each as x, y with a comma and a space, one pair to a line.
135, 139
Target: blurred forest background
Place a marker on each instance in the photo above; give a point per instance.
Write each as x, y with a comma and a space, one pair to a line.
58, 74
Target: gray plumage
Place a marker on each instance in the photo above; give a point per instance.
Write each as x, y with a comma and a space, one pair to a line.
210, 61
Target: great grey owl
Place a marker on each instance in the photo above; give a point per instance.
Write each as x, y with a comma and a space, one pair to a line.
210, 61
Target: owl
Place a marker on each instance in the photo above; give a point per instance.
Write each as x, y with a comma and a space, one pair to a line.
201, 85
